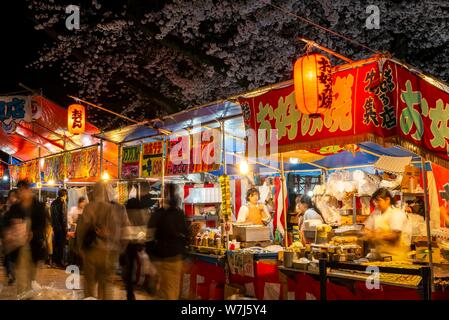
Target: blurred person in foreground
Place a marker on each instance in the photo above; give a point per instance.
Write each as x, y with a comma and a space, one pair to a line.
48, 234
135, 261
168, 239
25, 236
388, 228
99, 241
73, 216
58, 210
13, 197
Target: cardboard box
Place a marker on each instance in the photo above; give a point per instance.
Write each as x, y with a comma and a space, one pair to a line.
410, 172
251, 233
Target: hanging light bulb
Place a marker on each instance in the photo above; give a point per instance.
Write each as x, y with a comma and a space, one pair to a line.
105, 176
244, 167
86, 140
294, 160
51, 182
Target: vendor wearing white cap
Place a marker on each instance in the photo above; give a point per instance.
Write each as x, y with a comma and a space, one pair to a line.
388, 227
253, 212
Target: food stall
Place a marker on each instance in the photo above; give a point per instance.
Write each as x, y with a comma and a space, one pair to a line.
378, 104
380, 108
51, 148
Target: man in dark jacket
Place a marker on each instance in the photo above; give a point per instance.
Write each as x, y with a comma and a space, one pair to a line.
31, 212
59, 223
168, 240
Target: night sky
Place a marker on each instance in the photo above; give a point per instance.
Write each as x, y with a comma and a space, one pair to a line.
149, 58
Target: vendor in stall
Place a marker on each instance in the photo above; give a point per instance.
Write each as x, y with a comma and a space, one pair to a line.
253, 212
388, 227
308, 211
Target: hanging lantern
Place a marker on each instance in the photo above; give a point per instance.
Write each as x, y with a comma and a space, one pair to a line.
313, 84
76, 119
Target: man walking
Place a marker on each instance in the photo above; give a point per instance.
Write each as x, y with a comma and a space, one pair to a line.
59, 223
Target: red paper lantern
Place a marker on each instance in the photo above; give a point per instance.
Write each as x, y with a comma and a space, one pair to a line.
313, 84
76, 119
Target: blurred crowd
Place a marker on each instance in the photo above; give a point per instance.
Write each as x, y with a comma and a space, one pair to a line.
143, 240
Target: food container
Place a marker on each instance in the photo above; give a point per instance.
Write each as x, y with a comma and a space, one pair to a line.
300, 265
251, 233
313, 266
288, 259
350, 256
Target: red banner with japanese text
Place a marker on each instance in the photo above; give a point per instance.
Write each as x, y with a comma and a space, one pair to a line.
361, 105
439, 194
422, 112
381, 100
199, 152
83, 164
27, 171
178, 156
54, 168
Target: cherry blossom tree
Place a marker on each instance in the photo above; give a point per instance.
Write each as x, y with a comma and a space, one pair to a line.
145, 58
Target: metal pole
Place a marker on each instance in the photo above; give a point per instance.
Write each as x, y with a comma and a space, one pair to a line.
323, 278
283, 200
163, 172
10, 173
426, 275
316, 45
65, 164
139, 190
101, 158
427, 215
39, 169
119, 162
225, 172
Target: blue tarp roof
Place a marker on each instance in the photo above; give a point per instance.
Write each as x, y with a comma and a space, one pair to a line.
340, 160
234, 141
181, 121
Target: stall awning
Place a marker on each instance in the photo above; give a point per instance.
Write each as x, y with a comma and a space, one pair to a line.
378, 100
205, 117
43, 125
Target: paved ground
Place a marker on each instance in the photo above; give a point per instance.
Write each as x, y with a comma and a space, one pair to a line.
53, 282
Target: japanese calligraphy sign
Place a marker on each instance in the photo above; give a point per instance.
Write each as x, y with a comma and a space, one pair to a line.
130, 162
15, 109
27, 171
199, 152
54, 168
83, 164
205, 151
152, 159
178, 156
354, 90
76, 119
439, 194
313, 83
423, 112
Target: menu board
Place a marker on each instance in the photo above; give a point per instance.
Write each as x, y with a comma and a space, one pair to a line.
130, 162
152, 154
